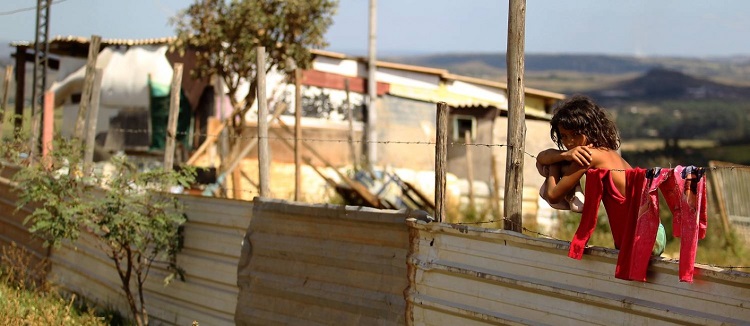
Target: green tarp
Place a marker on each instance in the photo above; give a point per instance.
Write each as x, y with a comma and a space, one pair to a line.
159, 102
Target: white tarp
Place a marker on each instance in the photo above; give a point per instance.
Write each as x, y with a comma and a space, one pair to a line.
125, 77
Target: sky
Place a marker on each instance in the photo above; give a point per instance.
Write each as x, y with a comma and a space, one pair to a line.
685, 28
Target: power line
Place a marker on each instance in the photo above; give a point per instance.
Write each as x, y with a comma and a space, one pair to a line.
15, 11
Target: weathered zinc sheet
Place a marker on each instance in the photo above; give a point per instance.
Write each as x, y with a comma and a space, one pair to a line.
322, 264
471, 276
212, 245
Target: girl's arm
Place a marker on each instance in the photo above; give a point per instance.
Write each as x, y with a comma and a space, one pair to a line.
579, 154
549, 156
560, 183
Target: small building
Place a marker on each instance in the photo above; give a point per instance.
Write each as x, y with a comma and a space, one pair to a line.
333, 92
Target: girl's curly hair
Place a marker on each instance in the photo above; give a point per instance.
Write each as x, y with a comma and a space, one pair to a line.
580, 114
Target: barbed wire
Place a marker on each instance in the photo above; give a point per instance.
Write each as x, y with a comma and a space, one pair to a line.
503, 219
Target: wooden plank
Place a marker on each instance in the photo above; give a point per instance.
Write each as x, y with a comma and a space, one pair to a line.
441, 160
516, 119
174, 111
264, 153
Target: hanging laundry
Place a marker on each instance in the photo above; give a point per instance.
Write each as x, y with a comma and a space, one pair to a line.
601, 188
634, 216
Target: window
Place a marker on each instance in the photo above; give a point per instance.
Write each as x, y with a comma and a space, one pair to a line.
463, 124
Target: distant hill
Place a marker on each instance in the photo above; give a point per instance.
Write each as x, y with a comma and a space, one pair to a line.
569, 73
600, 64
663, 84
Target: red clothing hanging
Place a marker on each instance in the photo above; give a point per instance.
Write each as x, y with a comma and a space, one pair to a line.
634, 218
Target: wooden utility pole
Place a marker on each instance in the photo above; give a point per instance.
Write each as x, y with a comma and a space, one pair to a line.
88, 157
441, 159
372, 91
264, 155
174, 111
297, 134
516, 123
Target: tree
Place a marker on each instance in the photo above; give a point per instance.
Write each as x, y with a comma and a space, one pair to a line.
225, 35
133, 221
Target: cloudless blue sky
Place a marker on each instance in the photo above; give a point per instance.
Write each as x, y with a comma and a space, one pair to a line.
693, 28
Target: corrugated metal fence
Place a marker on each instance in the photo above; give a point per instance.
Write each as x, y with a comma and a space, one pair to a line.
323, 265
331, 265
730, 185
213, 242
471, 276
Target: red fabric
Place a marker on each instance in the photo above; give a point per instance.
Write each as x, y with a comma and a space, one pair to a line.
635, 253
634, 223
689, 220
601, 188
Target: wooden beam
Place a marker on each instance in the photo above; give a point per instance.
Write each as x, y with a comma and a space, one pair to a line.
363, 192
516, 123
210, 140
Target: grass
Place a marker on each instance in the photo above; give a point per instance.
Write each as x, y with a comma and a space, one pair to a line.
27, 299
19, 306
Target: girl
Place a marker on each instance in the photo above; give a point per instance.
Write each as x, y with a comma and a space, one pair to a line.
590, 141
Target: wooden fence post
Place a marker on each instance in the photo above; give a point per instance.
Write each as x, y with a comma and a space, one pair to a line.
297, 134
350, 118
441, 159
6, 88
264, 159
516, 123
20, 90
174, 111
88, 157
88, 83
470, 169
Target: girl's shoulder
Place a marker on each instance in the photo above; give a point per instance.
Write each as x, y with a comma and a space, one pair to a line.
605, 158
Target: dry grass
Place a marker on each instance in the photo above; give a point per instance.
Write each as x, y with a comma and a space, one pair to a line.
27, 299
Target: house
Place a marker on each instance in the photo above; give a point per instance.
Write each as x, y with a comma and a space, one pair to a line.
334, 86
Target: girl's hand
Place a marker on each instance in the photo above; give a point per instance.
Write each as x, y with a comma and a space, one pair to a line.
579, 154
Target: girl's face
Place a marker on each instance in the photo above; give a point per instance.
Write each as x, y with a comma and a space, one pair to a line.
572, 139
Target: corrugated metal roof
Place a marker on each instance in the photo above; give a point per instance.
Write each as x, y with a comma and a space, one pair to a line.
444, 74
85, 41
